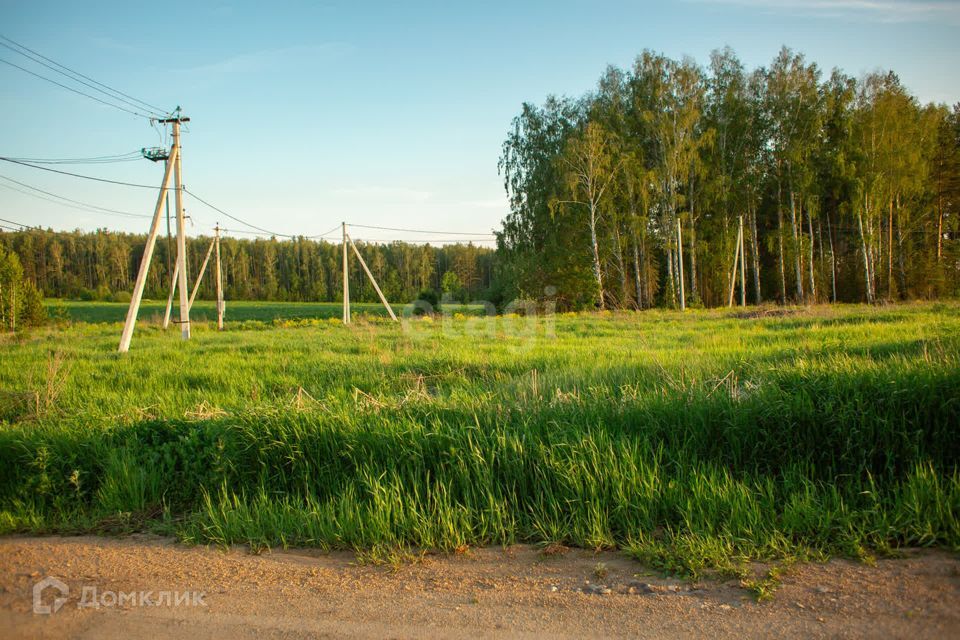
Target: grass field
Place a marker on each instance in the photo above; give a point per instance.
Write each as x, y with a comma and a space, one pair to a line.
693, 440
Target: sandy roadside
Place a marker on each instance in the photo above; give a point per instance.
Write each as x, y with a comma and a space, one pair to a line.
514, 592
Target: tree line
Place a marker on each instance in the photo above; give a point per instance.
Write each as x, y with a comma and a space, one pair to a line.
657, 188
102, 265
634, 194
21, 303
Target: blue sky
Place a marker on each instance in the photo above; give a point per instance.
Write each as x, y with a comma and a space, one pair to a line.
305, 113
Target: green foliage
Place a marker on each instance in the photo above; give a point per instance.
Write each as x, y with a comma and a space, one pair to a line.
101, 266
700, 441
21, 304
430, 297
450, 283
829, 175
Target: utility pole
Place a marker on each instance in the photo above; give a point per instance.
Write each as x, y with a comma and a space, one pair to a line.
172, 166
172, 268
203, 270
169, 238
373, 280
736, 261
346, 278
134, 308
173, 288
219, 280
743, 266
683, 301
181, 232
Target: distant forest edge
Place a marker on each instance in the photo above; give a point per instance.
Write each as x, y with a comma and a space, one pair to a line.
848, 188
102, 265
633, 194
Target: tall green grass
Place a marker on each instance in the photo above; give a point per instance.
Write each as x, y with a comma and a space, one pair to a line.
693, 441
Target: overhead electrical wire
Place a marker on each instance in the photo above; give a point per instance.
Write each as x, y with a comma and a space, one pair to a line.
19, 224
471, 237
77, 91
79, 175
86, 84
138, 106
260, 233
444, 233
118, 95
321, 235
236, 219
126, 157
420, 241
78, 202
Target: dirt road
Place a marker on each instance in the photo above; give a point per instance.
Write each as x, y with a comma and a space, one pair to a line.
516, 592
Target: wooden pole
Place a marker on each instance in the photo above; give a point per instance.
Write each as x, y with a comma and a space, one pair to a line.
181, 237
346, 278
372, 280
733, 273
219, 282
683, 301
134, 308
743, 265
173, 288
203, 269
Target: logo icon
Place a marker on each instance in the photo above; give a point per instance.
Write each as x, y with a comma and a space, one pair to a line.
40, 587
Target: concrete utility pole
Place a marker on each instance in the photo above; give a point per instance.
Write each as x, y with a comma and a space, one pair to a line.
181, 232
736, 261
683, 297
134, 308
173, 289
743, 265
219, 281
373, 280
346, 278
203, 270
172, 166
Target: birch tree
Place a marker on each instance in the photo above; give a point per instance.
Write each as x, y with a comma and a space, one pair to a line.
591, 163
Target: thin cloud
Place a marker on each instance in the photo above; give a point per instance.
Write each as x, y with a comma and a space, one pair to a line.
891, 11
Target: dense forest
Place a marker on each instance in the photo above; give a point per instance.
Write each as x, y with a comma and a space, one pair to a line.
633, 195
102, 265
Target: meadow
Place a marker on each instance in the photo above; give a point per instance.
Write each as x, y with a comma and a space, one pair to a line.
693, 441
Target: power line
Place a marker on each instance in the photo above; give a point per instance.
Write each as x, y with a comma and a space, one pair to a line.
447, 233
321, 235
478, 237
119, 94
77, 91
78, 175
287, 235
236, 219
421, 241
258, 233
19, 224
365, 240
126, 157
83, 204
86, 84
